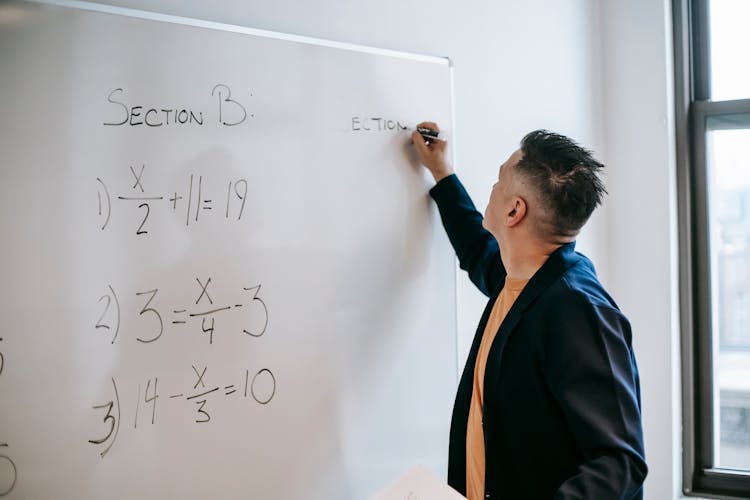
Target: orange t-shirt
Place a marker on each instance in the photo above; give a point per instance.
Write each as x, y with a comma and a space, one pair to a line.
474, 432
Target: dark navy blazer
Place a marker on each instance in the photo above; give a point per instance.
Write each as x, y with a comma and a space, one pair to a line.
561, 415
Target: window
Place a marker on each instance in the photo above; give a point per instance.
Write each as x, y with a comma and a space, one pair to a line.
712, 79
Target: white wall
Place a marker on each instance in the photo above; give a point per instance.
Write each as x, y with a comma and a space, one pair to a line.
597, 71
641, 247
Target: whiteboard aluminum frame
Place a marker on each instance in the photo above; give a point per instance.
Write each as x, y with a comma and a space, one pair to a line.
200, 23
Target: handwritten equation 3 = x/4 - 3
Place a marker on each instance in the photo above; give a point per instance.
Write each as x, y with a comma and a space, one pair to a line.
152, 313
195, 200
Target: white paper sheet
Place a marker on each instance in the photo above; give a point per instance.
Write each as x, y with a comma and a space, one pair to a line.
418, 484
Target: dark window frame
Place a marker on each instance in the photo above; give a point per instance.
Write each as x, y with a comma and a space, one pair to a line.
692, 107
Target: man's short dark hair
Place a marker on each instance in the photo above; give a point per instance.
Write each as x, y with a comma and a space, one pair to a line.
565, 177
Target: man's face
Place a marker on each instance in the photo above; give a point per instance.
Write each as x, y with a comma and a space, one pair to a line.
502, 197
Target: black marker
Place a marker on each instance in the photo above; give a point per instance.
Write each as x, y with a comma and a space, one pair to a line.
429, 134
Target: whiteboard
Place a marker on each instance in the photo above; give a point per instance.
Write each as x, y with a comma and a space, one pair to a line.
222, 273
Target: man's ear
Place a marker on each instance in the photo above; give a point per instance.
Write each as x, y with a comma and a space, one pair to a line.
516, 213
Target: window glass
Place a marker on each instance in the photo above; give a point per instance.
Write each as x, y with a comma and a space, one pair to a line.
728, 162
729, 49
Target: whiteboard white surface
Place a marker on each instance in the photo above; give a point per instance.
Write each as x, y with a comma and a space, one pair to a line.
302, 242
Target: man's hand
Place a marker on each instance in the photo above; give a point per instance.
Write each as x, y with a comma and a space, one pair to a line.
432, 152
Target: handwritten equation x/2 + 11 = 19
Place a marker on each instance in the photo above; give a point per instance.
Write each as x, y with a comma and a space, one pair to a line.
195, 200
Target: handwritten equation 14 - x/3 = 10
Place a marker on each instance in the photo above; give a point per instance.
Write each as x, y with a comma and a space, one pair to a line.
197, 399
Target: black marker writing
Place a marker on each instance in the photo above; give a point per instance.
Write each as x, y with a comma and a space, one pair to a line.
258, 300
227, 104
147, 399
125, 108
109, 203
376, 124
263, 386
152, 117
202, 404
201, 410
204, 290
109, 297
152, 398
239, 185
6, 461
210, 329
138, 177
195, 201
229, 110
114, 423
200, 376
148, 309
254, 313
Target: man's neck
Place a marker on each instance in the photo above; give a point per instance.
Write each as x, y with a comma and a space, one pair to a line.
522, 263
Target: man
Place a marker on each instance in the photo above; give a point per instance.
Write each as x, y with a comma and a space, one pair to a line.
548, 406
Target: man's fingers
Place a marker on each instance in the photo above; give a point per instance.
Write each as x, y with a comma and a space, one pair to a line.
430, 125
419, 142
431, 150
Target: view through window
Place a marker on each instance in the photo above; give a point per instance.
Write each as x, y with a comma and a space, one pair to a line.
728, 162
712, 107
728, 165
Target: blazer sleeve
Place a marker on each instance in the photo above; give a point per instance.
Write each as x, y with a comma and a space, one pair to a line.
590, 367
476, 248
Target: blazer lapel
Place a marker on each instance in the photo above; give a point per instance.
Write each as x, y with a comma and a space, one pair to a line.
557, 263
